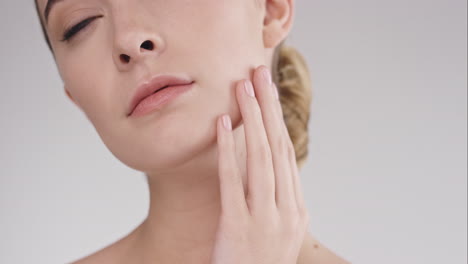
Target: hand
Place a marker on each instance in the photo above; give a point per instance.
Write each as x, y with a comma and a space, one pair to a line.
269, 225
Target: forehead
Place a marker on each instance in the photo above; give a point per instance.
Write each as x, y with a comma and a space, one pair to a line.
44, 7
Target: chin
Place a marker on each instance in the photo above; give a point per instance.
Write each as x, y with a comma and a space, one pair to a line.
165, 150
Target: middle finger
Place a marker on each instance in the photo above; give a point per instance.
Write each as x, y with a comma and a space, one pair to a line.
261, 184
273, 122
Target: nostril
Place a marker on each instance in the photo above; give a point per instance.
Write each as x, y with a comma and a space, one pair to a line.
124, 58
147, 45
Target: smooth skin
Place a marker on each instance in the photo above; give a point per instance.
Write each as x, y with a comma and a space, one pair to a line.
263, 217
217, 43
269, 224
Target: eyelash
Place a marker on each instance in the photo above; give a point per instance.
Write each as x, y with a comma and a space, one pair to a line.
73, 30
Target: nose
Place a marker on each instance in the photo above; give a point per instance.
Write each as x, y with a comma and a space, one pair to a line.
135, 48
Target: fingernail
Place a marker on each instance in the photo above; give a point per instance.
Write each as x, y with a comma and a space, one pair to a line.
227, 122
249, 88
275, 90
267, 75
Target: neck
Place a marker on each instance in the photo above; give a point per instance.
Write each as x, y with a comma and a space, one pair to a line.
185, 206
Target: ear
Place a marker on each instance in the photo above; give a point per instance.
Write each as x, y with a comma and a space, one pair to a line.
71, 97
278, 21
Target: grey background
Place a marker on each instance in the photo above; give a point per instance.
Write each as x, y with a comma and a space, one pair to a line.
385, 180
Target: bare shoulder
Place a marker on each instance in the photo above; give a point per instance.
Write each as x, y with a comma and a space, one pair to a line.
104, 256
115, 253
314, 252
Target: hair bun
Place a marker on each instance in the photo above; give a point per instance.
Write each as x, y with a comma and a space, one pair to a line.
294, 87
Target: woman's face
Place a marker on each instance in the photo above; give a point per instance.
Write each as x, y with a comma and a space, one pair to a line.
214, 42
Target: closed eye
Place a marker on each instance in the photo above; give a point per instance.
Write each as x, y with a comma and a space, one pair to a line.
73, 30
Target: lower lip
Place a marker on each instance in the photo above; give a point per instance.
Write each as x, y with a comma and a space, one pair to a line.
159, 99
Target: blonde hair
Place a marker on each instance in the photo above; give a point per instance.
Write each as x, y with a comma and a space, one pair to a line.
291, 76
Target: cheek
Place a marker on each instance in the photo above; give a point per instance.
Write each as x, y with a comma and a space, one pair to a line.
223, 29
90, 89
218, 46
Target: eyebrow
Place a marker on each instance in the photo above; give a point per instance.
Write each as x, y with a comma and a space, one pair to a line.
48, 8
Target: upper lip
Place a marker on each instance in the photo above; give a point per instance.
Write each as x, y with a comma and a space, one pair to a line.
153, 85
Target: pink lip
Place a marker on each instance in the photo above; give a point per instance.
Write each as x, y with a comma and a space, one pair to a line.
146, 89
159, 99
